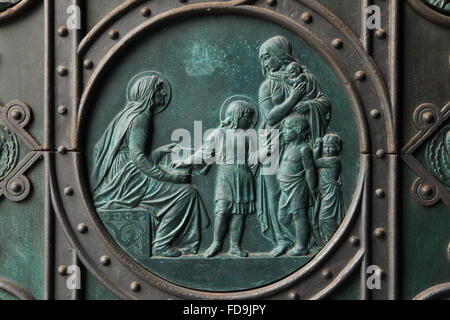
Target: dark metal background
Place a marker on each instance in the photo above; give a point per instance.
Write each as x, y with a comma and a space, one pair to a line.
368, 68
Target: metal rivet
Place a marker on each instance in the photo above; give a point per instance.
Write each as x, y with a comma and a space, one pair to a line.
294, 295
62, 150
379, 233
428, 117
135, 286
354, 241
360, 76
307, 17
326, 274
68, 191
105, 260
375, 113
16, 187
146, 12
62, 270
114, 34
62, 110
63, 31
82, 228
88, 64
380, 154
62, 71
16, 115
380, 193
337, 43
271, 2
426, 191
380, 34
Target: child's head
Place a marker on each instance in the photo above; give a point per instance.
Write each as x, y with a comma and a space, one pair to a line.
332, 145
293, 70
295, 126
238, 115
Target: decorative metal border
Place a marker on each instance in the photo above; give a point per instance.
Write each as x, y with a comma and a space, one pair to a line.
306, 18
439, 292
15, 290
426, 190
428, 13
16, 186
15, 10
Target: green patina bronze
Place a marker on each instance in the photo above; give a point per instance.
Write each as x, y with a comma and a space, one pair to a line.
157, 198
437, 156
441, 4
4, 4
9, 151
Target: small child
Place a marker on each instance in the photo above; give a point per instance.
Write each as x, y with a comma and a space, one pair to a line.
235, 191
327, 161
294, 74
298, 181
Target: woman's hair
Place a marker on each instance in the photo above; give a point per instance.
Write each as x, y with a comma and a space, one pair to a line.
280, 48
335, 139
236, 110
143, 91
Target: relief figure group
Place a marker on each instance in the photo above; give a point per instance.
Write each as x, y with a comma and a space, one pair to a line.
299, 206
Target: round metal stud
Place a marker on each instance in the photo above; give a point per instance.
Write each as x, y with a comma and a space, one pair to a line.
272, 3
146, 12
307, 17
62, 71
360, 76
380, 154
62, 110
380, 193
327, 274
114, 34
354, 241
337, 43
135, 286
375, 113
62, 150
63, 31
380, 34
428, 117
62, 270
16, 187
68, 191
426, 191
105, 260
293, 295
88, 64
82, 228
379, 233
17, 115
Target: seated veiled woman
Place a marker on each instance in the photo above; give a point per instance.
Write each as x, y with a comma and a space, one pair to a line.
125, 178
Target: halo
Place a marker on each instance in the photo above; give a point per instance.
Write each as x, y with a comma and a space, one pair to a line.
226, 104
166, 85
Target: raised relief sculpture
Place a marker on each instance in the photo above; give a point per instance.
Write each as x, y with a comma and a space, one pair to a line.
437, 156
298, 182
125, 179
332, 211
9, 151
150, 206
289, 88
235, 191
